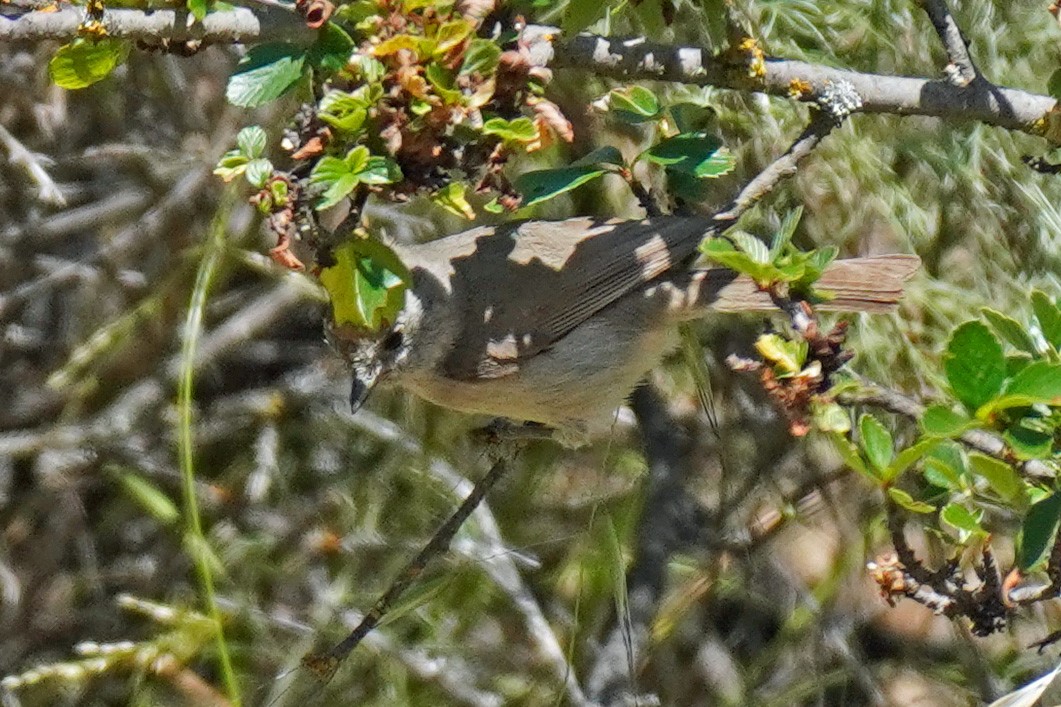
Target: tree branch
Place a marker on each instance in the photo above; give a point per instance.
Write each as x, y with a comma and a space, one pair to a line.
636, 59
961, 71
239, 24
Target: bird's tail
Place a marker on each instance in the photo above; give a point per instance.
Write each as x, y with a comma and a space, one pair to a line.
871, 284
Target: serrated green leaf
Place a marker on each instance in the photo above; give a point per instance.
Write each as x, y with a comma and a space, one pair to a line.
267, 72
452, 198
907, 501
366, 284
1009, 329
634, 104
231, 165
698, 154
1000, 476
443, 81
1029, 439
1038, 530
252, 141
337, 190
851, 456
1036, 383
830, 417
379, 170
1049, 317
83, 62
876, 443
521, 130
784, 234
725, 253
692, 118
787, 357
258, 172
938, 473
606, 155
960, 517
907, 458
941, 421
751, 245
482, 57
974, 364
544, 184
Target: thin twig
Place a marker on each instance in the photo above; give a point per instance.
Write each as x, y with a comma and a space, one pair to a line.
325, 665
47, 190
961, 71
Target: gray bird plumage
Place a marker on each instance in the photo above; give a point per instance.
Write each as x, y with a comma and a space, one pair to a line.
556, 321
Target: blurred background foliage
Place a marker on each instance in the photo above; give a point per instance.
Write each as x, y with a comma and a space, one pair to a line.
311, 512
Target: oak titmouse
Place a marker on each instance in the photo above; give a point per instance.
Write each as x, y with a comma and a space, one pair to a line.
555, 322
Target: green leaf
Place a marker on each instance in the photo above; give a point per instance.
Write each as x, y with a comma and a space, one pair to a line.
939, 473
337, 190
787, 357
521, 130
1036, 383
634, 104
606, 155
783, 237
366, 284
482, 57
907, 458
999, 475
698, 154
544, 184
751, 245
1030, 438
1049, 317
258, 172
332, 49
975, 364
1009, 329
380, 170
580, 14
443, 81
692, 118
1053, 84
941, 421
876, 442
231, 165
962, 518
830, 417
450, 34
725, 253
252, 141
850, 454
83, 62
451, 198
198, 8
151, 498
907, 501
1038, 530
267, 72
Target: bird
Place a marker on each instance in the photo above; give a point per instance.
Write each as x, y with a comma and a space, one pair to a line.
556, 322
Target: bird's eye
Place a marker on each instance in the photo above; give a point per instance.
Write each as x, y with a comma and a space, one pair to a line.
392, 342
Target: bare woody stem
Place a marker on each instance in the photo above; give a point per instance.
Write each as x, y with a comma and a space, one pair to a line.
962, 71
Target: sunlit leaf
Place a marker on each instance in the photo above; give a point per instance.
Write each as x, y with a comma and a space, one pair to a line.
83, 62
267, 72
908, 502
975, 364
366, 284
544, 184
1038, 530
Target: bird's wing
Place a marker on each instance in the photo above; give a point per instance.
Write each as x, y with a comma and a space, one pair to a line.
522, 287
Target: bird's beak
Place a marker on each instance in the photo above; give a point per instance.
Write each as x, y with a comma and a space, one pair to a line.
359, 390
